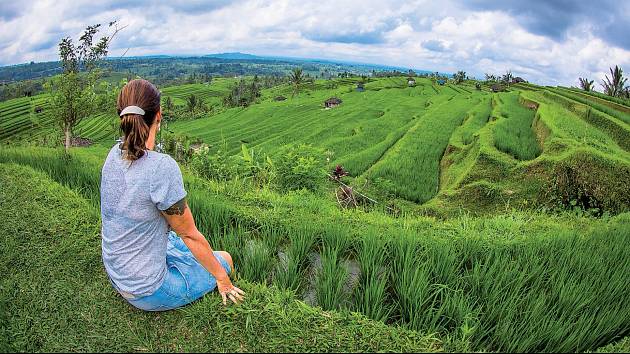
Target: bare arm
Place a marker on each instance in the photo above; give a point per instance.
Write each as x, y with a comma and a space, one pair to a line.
181, 220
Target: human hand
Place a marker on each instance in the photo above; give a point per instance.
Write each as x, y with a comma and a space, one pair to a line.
229, 291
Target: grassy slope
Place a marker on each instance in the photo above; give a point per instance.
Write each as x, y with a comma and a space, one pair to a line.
357, 133
488, 273
54, 295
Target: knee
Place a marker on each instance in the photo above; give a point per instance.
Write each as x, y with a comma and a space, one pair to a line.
228, 258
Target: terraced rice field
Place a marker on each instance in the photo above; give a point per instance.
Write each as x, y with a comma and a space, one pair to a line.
516, 281
211, 94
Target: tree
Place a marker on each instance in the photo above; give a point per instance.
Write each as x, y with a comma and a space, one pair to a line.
507, 77
296, 78
191, 103
459, 77
615, 86
491, 78
169, 106
586, 84
72, 95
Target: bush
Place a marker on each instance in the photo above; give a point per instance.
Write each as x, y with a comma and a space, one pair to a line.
300, 167
217, 166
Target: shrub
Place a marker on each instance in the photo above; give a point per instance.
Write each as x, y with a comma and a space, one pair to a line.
300, 167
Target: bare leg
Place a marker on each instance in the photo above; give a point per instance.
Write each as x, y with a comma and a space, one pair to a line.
228, 258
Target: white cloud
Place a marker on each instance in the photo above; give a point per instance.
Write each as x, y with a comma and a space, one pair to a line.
443, 36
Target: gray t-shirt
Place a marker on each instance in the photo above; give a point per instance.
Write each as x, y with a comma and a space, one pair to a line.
134, 232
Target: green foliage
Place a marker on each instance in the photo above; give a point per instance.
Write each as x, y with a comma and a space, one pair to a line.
620, 112
615, 85
459, 77
371, 294
258, 262
300, 167
586, 84
503, 283
296, 78
330, 294
53, 273
414, 168
243, 94
72, 96
513, 132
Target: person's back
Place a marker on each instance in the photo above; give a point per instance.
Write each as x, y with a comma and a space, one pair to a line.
135, 234
142, 197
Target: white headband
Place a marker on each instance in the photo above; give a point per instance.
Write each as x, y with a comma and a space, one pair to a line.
132, 110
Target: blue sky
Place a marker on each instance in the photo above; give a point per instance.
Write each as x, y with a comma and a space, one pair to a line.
547, 42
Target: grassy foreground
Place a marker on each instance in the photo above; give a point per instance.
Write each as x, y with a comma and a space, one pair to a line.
54, 295
516, 282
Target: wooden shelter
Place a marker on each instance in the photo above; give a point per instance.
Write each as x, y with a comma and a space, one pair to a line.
332, 102
497, 88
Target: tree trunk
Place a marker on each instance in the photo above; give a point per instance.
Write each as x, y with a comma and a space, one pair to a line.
67, 134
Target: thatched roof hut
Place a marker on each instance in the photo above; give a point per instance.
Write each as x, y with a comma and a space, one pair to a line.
518, 80
280, 98
332, 102
411, 82
360, 87
497, 88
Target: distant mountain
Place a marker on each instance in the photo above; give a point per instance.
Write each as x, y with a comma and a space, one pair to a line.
233, 56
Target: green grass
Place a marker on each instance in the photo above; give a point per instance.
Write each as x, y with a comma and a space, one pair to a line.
618, 111
504, 283
412, 164
508, 282
212, 94
371, 293
55, 295
357, 133
513, 132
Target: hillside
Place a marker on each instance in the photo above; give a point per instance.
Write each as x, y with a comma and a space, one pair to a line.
442, 147
512, 233
455, 147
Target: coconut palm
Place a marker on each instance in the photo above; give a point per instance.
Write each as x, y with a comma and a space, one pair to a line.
615, 86
459, 77
586, 84
507, 77
296, 78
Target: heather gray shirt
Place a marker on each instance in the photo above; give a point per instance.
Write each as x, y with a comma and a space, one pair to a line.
134, 233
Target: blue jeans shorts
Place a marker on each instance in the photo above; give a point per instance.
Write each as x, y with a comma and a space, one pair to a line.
186, 279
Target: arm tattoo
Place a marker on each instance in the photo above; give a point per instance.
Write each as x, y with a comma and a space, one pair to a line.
177, 208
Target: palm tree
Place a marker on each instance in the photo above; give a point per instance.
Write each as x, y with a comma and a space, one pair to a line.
586, 84
507, 78
296, 78
616, 86
459, 77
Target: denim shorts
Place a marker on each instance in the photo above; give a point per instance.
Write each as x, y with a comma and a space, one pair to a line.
186, 279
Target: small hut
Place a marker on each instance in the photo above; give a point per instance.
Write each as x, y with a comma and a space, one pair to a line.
332, 102
411, 82
497, 88
518, 80
280, 98
360, 87
38, 109
441, 82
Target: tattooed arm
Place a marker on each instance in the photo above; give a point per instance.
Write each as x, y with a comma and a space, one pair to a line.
181, 221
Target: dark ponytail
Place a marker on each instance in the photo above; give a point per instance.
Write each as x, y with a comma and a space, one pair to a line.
136, 127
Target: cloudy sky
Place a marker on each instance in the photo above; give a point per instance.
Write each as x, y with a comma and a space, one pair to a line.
545, 41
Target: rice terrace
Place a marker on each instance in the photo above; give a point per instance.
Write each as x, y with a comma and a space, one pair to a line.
366, 207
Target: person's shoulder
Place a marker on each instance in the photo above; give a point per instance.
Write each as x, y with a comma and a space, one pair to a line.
115, 151
162, 160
